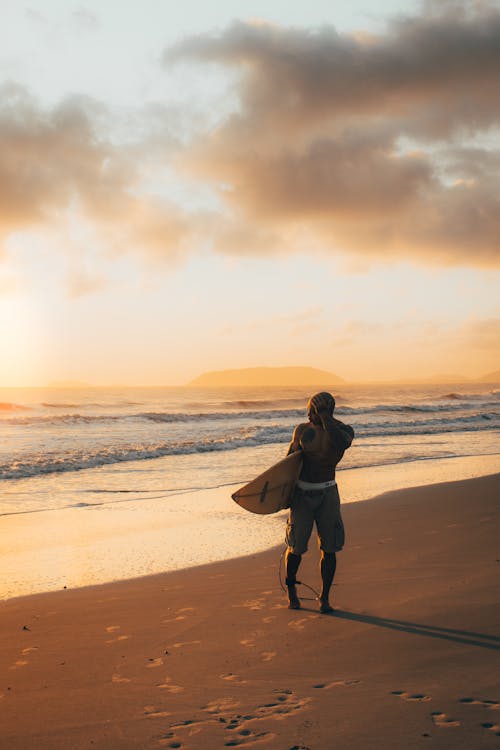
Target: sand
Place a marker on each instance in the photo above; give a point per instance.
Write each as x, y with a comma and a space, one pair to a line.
210, 657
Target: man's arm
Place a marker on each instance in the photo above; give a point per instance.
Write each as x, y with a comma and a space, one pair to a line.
339, 432
295, 444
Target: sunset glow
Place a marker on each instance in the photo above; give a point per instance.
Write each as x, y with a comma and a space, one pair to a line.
248, 185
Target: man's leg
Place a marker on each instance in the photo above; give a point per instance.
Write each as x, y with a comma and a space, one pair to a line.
292, 563
332, 536
327, 566
298, 531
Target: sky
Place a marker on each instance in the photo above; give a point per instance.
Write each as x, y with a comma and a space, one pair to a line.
201, 186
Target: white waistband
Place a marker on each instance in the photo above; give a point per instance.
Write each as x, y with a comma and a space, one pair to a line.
315, 485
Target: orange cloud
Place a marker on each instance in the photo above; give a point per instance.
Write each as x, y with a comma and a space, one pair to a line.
377, 146
361, 139
56, 161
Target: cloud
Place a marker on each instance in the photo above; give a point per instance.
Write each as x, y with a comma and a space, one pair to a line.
35, 16
374, 147
57, 163
361, 140
85, 20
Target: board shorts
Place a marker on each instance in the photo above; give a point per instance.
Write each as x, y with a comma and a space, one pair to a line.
315, 506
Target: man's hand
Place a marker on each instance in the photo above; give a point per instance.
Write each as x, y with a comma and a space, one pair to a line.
320, 404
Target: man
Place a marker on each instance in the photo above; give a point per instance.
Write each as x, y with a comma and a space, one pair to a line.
323, 441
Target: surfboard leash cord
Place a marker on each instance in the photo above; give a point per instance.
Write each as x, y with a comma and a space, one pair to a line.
298, 583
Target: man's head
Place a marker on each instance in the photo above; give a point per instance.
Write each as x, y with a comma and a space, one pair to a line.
322, 401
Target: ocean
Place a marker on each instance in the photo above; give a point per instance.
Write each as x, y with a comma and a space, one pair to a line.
210, 438
97, 451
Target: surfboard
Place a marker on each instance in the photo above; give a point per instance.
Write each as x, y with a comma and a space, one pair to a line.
272, 490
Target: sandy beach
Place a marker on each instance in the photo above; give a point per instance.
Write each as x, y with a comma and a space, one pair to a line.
210, 657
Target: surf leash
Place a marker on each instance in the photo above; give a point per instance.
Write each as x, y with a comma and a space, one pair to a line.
298, 583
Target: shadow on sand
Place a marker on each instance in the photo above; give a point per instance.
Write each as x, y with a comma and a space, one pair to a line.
482, 640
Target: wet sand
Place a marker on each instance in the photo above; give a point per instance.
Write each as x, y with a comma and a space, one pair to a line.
123, 536
210, 657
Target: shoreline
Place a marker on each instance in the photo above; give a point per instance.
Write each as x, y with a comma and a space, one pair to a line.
254, 554
81, 546
211, 657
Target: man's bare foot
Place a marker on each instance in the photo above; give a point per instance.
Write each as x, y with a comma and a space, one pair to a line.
325, 607
293, 599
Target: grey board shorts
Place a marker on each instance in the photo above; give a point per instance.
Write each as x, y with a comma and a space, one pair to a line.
308, 507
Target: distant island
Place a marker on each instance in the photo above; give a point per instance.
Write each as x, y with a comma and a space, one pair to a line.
267, 376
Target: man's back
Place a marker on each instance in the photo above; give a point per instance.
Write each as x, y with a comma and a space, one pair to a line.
323, 446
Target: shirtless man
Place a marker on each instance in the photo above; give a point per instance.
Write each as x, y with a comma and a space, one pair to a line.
323, 441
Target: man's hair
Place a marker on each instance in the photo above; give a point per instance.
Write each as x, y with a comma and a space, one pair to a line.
327, 397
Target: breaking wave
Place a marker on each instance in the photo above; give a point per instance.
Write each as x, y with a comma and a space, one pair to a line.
251, 436
463, 404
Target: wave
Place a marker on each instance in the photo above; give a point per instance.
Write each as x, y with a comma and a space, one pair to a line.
47, 463
60, 406
167, 417
422, 407
474, 422
8, 406
89, 404
454, 396
464, 403
64, 419
245, 437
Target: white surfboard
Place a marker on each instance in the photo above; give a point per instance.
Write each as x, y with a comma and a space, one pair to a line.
272, 490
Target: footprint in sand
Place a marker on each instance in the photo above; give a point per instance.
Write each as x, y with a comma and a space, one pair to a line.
174, 619
119, 639
169, 686
285, 704
220, 706
267, 655
495, 728
155, 713
247, 737
248, 642
184, 643
152, 663
186, 723
19, 663
253, 604
169, 739
440, 720
299, 624
417, 697
493, 705
336, 683
185, 609
117, 678
267, 620
29, 650
113, 628
230, 677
